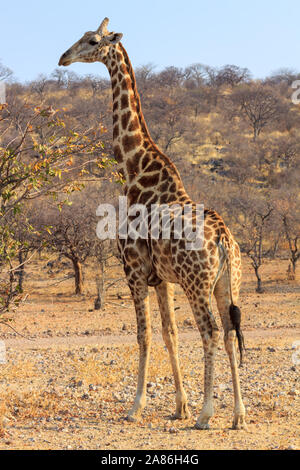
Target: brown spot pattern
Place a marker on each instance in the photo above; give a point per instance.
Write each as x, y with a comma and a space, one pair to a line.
130, 142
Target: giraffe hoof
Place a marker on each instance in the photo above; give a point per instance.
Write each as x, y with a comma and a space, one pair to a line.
131, 419
181, 415
134, 416
239, 424
202, 426
182, 412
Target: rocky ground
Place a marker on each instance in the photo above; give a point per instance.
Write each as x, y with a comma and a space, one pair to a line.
70, 384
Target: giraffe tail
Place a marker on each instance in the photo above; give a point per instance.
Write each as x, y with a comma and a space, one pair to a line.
235, 317
234, 311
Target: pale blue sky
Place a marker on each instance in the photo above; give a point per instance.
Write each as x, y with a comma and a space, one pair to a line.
262, 35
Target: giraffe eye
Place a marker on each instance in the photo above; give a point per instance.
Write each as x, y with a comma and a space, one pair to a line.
92, 42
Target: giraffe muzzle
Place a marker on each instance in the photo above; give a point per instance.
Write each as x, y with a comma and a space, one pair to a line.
65, 59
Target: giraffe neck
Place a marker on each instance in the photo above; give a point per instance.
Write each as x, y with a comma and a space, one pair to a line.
150, 175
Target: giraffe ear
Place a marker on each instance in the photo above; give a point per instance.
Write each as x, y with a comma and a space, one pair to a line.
113, 38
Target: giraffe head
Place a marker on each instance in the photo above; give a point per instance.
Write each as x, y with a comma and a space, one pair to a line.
92, 47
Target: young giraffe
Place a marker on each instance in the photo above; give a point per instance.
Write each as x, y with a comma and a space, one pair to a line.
151, 178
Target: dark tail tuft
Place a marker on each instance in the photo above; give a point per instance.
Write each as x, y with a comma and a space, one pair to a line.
235, 317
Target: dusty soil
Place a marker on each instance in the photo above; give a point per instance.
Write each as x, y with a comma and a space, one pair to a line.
70, 383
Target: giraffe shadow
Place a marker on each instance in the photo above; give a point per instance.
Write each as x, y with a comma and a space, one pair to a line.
191, 423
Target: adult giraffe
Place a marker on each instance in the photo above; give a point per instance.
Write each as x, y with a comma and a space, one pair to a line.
151, 178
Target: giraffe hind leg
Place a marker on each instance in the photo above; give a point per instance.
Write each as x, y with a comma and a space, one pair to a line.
210, 335
230, 317
210, 339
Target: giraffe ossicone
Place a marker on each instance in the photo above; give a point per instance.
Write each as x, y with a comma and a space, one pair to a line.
215, 268
103, 27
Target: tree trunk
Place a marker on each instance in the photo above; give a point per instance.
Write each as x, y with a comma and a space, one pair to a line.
254, 135
275, 248
294, 264
99, 302
259, 288
78, 276
20, 272
256, 132
290, 273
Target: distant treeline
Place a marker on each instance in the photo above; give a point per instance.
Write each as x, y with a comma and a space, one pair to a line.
235, 140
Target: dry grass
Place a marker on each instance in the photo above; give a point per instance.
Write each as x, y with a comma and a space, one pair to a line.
108, 372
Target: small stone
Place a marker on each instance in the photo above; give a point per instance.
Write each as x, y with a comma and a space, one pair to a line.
271, 349
173, 430
222, 387
5, 420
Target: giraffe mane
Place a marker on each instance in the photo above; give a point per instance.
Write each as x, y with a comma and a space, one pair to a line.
144, 126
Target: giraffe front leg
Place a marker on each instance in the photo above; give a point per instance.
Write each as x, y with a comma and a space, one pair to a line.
141, 301
165, 297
